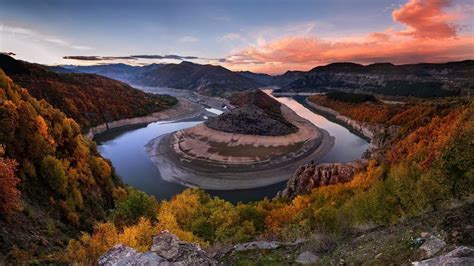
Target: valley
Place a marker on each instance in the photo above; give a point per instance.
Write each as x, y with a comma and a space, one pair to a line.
283, 166
128, 149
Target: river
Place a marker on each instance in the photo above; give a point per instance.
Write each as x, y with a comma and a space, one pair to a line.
125, 148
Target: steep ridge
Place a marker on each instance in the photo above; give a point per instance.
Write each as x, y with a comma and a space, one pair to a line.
65, 185
419, 80
386, 125
89, 99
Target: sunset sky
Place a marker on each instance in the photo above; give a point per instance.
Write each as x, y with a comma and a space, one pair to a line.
268, 36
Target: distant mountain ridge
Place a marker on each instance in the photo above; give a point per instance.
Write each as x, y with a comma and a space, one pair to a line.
419, 80
205, 79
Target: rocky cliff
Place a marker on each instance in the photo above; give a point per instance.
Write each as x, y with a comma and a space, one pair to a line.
310, 176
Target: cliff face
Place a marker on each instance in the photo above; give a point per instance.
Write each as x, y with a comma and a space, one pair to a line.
310, 176
379, 135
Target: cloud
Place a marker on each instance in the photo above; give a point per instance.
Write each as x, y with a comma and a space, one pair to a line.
430, 36
132, 57
426, 19
37, 36
188, 39
230, 37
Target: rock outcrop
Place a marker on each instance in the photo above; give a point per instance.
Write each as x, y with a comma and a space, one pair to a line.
167, 249
459, 256
431, 246
310, 176
307, 257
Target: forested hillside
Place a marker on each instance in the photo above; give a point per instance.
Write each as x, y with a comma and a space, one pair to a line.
89, 99
418, 80
53, 182
427, 167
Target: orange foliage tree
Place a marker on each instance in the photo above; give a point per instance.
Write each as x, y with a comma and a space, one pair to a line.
10, 196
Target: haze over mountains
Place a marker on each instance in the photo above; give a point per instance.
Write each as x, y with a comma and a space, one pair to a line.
205, 79
419, 80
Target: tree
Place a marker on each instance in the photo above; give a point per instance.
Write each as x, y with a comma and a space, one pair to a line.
10, 196
137, 204
53, 171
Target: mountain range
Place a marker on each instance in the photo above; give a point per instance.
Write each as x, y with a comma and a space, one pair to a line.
418, 80
205, 79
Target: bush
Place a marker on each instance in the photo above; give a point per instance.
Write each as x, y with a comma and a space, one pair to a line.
53, 171
137, 204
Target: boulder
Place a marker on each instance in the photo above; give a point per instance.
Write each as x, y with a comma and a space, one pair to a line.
311, 175
431, 246
166, 249
123, 255
307, 257
257, 245
459, 256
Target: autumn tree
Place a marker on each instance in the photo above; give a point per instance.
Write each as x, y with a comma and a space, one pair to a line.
10, 196
54, 173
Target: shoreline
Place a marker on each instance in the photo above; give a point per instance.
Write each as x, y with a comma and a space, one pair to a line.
172, 168
378, 135
184, 109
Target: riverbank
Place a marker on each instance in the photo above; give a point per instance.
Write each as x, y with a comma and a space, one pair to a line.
215, 172
184, 109
377, 134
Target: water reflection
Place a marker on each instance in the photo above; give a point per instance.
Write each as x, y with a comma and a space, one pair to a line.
125, 148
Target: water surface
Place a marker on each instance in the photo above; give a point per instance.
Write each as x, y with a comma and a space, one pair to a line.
126, 149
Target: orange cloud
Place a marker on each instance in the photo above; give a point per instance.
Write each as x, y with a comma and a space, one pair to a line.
429, 37
299, 53
426, 19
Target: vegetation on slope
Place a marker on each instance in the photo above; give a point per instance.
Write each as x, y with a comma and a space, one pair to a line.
53, 182
417, 80
367, 108
89, 99
430, 166
256, 113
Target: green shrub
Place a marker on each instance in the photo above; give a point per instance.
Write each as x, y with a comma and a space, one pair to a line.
137, 204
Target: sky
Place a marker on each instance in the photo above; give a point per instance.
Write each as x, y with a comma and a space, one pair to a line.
261, 36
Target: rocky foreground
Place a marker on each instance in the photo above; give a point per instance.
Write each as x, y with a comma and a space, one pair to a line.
442, 237
166, 249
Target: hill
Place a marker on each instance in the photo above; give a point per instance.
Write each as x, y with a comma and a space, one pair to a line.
88, 98
419, 80
206, 79
256, 113
54, 183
